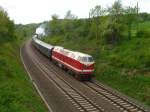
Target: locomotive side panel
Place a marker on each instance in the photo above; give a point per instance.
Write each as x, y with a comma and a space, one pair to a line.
81, 69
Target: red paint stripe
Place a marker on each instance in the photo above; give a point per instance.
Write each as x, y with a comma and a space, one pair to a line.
73, 68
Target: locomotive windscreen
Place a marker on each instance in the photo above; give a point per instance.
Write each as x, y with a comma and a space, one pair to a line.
87, 59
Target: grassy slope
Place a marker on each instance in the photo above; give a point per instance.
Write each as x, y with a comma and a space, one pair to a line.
125, 67
16, 91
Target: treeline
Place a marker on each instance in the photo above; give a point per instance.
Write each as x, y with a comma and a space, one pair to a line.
118, 38
25, 31
10, 31
6, 27
15, 87
107, 25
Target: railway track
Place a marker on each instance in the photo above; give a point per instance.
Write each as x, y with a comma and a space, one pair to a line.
81, 102
123, 104
120, 102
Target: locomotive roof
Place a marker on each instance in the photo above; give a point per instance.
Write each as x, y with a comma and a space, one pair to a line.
70, 53
82, 54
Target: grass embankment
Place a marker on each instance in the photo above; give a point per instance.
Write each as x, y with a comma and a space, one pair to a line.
125, 67
16, 91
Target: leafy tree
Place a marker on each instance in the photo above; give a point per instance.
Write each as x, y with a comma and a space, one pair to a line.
24, 31
96, 15
55, 25
115, 26
6, 26
68, 24
131, 17
70, 16
144, 17
81, 27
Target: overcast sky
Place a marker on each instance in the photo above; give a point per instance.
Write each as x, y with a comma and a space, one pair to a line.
34, 11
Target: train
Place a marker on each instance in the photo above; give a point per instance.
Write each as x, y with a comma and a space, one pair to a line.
80, 65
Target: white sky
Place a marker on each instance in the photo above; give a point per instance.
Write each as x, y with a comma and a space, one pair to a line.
34, 11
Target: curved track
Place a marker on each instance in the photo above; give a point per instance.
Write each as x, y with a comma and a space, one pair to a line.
86, 97
118, 101
78, 99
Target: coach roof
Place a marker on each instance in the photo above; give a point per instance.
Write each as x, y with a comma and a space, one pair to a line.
44, 44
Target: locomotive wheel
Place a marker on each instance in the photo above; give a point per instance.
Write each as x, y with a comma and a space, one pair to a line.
90, 78
70, 72
54, 62
78, 77
65, 69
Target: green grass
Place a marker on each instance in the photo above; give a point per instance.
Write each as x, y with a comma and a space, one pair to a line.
16, 91
125, 67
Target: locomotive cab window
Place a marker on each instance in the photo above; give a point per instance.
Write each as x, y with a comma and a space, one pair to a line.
85, 59
90, 59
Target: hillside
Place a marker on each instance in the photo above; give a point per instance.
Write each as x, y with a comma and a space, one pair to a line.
16, 91
125, 66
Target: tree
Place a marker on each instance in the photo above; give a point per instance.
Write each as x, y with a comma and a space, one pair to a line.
68, 24
6, 26
95, 16
55, 25
70, 16
144, 17
54, 17
116, 10
23, 31
131, 17
115, 26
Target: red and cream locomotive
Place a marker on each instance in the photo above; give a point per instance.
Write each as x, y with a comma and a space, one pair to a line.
82, 65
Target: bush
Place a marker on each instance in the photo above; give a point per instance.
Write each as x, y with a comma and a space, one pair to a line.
6, 27
143, 33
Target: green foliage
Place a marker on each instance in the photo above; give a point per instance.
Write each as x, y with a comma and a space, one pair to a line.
131, 17
113, 32
144, 17
119, 42
115, 26
16, 91
24, 31
70, 27
54, 25
6, 27
69, 15
96, 17
143, 33
107, 25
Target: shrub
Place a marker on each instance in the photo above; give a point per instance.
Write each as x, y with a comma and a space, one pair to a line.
143, 33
